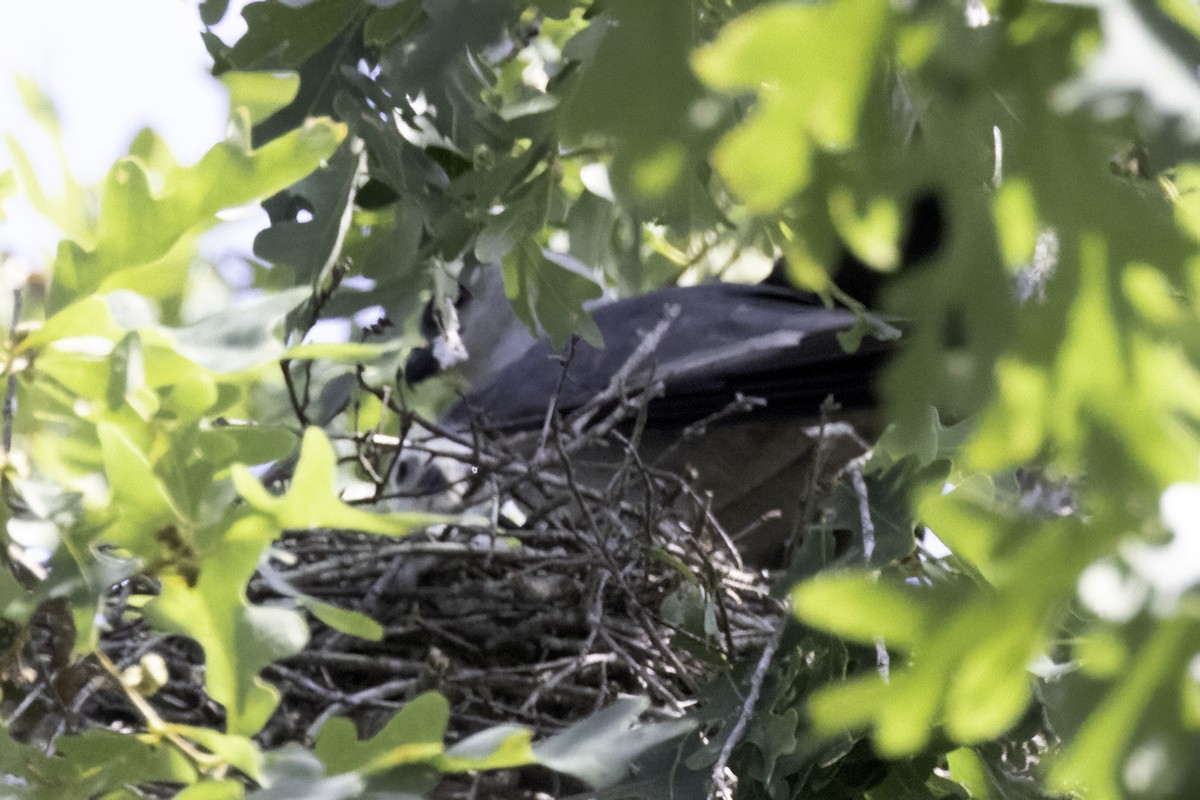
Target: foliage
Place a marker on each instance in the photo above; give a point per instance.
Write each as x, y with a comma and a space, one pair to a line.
1054, 323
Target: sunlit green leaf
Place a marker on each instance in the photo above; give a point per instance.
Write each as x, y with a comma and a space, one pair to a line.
310, 502
811, 66
858, 607
238, 639
143, 506
413, 735
261, 93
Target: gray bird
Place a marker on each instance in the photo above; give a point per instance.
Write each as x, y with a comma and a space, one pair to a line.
771, 353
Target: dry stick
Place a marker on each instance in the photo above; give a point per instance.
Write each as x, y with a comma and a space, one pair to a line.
739, 729
883, 660
293, 395
207, 762
616, 387
864, 512
741, 404
647, 623
552, 409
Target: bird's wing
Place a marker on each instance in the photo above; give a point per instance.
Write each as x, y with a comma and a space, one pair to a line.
727, 339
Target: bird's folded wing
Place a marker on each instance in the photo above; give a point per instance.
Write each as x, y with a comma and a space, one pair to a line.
726, 340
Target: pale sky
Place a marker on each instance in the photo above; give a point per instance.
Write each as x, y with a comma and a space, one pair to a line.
111, 67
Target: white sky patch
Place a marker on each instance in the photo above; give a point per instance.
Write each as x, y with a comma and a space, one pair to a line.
369, 316
1172, 568
111, 68
1157, 574
329, 331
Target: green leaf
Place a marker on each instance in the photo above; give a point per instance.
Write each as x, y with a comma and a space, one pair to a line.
242, 337
819, 60
280, 36
1099, 756
143, 507
413, 735
499, 747
246, 444
127, 379
548, 297
391, 21
341, 352
310, 502
637, 92
213, 790
1144, 67
237, 751
238, 639
294, 773
144, 217
353, 623
859, 607
91, 763
599, 748
8, 187
260, 93
311, 247
523, 216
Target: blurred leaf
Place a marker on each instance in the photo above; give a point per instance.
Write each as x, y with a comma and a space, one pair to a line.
499, 747
213, 11
242, 337
213, 790
143, 216
636, 91
523, 216
547, 297
819, 61
344, 620
340, 352
237, 751
390, 21
94, 762
1144, 66
294, 773
599, 749
142, 505
1102, 754
854, 605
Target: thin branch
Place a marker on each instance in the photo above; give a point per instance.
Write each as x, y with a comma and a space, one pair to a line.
722, 787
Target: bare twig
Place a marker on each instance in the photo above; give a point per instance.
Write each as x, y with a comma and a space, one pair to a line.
723, 784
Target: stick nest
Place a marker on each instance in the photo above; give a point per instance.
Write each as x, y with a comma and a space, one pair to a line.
629, 588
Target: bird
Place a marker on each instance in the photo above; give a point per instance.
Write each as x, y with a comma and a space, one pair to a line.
749, 381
